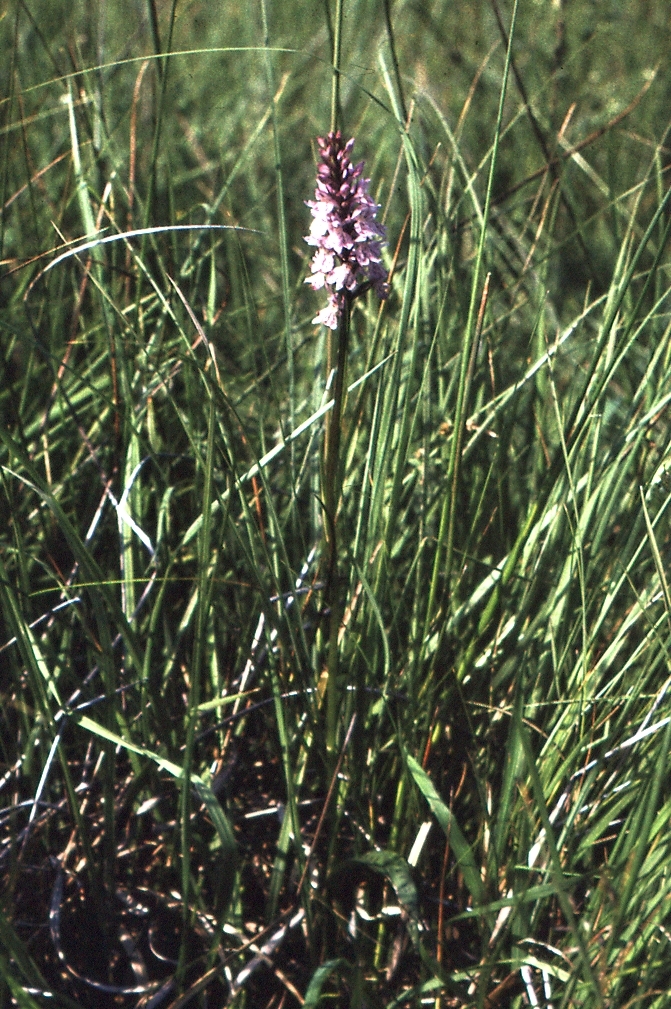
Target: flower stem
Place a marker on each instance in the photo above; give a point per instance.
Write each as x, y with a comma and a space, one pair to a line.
337, 357
335, 84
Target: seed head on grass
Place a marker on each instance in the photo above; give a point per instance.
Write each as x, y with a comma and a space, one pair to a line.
348, 258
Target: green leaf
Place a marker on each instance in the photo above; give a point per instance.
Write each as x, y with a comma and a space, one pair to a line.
452, 830
533, 894
320, 977
397, 871
19, 954
429, 987
205, 793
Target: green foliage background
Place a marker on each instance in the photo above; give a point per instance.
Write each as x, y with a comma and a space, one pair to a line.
497, 831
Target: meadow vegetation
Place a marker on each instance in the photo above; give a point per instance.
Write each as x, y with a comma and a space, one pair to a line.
457, 793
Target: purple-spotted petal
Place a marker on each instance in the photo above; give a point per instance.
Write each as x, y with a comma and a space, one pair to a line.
347, 237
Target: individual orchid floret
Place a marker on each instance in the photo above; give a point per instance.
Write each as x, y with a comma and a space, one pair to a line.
348, 257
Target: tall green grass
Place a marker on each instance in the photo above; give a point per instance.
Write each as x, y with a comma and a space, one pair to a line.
484, 820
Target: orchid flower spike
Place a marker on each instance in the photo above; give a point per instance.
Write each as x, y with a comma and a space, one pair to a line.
348, 239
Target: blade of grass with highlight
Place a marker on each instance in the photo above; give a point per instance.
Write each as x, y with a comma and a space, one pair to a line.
445, 545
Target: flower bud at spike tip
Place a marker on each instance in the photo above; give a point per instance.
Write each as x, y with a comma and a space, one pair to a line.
348, 238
